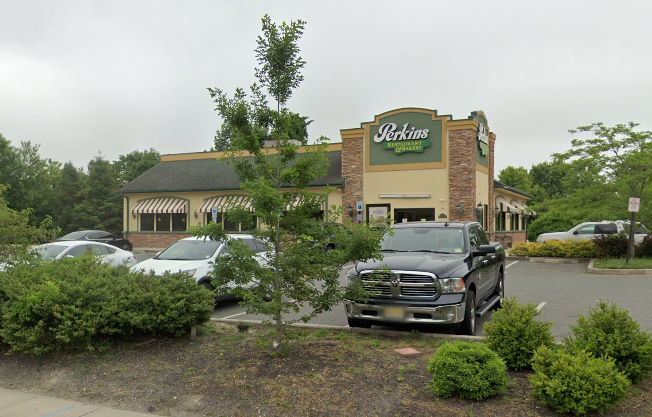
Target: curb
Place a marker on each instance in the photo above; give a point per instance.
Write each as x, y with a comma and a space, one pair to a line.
600, 271
392, 333
549, 260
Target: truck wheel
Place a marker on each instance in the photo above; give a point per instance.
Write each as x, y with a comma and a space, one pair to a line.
499, 291
468, 325
358, 323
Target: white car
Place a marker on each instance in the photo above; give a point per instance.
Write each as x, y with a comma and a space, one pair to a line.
195, 256
590, 230
75, 249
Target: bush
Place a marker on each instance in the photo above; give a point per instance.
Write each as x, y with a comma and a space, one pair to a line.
467, 370
556, 249
610, 331
644, 249
78, 303
576, 383
514, 333
611, 246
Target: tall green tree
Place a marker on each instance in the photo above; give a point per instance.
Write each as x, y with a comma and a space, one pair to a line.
517, 177
67, 195
619, 155
130, 166
101, 206
300, 276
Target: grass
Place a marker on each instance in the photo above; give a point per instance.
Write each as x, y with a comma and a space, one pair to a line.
634, 263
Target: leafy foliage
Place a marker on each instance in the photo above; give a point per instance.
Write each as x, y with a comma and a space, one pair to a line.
576, 383
131, 166
299, 272
78, 303
467, 370
515, 334
611, 246
610, 331
556, 249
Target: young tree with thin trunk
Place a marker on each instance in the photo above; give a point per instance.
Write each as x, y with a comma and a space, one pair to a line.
300, 275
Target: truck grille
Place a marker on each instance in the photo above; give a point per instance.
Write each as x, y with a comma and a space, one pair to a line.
399, 284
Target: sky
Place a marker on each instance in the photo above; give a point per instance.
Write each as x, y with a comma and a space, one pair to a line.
91, 78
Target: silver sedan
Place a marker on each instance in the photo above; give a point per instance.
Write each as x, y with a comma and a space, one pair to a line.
75, 249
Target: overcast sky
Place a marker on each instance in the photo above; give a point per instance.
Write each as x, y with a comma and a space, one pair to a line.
90, 77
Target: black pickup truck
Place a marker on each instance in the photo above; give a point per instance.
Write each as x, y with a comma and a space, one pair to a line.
432, 273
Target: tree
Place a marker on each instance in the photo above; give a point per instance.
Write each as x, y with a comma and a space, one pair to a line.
68, 194
130, 166
299, 271
101, 205
617, 154
516, 177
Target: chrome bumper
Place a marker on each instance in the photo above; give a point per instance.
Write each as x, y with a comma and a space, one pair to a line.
446, 314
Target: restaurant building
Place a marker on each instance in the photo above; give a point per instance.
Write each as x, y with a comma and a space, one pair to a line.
410, 164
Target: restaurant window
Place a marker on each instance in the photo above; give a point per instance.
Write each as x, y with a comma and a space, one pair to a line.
230, 226
403, 215
162, 222
179, 222
147, 222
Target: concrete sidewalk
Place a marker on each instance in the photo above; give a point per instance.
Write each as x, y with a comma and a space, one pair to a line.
24, 404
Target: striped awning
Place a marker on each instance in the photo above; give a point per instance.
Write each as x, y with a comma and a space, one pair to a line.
504, 206
225, 202
161, 205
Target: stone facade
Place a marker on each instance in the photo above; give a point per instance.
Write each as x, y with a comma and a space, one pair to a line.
352, 172
491, 215
461, 174
155, 240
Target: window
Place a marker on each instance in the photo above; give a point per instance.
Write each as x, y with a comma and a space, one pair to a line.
179, 223
402, 215
606, 229
163, 222
586, 230
147, 222
78, 251
230, 226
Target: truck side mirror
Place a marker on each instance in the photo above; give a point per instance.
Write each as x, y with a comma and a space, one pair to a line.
484, 249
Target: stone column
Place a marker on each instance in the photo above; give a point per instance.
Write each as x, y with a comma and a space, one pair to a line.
461, 170
352, 169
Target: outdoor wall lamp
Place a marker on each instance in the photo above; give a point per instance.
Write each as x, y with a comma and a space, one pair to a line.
459, 209
349, 210
479, 209
133, 215
195, 214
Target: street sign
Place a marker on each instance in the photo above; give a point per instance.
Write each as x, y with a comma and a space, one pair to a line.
214, 213
634, 204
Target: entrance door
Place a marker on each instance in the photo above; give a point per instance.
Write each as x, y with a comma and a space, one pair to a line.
403, 215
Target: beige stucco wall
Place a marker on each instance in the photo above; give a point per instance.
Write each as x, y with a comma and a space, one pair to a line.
482, 188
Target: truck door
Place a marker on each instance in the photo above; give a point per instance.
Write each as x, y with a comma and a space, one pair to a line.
486, 264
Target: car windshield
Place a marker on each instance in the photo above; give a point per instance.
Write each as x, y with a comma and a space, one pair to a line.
74, 236
190, 250
47, 252
422, 239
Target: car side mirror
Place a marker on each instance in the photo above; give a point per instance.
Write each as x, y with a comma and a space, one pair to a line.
576, 232
484, 250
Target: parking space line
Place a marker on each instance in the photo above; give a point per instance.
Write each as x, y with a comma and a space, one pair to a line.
515, 262
540, 306
235, 315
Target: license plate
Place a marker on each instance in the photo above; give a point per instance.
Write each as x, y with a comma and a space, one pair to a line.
396, 313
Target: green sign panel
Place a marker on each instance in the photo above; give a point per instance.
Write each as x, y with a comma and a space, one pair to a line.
482, 141
405, 138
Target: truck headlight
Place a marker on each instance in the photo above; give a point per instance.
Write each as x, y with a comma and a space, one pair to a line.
451, 285
351, 276
190, 272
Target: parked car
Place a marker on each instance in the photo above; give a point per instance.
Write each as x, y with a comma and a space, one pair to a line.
432, 273
75, 249
98, 236
195, 256
590, 230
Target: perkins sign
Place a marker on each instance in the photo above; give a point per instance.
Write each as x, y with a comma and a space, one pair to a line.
483, 139
407, 139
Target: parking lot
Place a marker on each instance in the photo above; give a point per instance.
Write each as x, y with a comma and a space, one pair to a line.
561, 291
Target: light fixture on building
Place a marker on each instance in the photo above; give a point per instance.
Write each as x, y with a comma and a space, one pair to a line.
479, 209
459, 209
133, 215
349, 209
195, 214
497, 211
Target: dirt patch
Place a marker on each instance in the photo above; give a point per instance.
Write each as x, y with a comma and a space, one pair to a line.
225, 372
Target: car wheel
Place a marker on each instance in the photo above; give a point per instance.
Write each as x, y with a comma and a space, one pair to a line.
468, 325
499, 291
207, 285
358, 323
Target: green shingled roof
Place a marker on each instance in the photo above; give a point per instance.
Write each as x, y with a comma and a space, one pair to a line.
209, 175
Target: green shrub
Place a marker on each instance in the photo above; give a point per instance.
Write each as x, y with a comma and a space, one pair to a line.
556, 249
78, 303
576, 383
514, 333
644, 249
467, 370
610, 331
